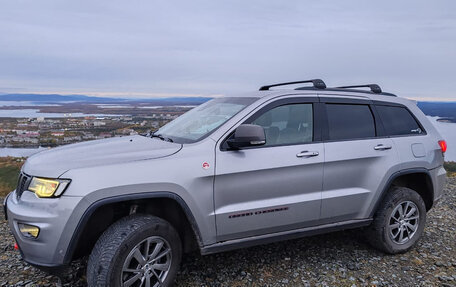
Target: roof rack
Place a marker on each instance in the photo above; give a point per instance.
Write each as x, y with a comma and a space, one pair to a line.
317, 83
373, 87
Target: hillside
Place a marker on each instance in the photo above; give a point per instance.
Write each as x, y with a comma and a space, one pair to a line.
439, 109
451, 168
335, 259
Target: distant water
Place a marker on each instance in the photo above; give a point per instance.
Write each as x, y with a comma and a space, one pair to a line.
448, 132
34, 113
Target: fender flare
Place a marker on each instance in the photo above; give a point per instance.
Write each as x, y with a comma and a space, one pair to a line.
127, 197
392, 178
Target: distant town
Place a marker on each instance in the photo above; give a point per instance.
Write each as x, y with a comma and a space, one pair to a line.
82, 119
36, 120
50, 132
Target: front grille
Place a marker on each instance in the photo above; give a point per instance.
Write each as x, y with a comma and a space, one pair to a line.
22, 184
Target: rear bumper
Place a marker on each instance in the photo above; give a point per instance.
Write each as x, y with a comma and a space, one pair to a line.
438, 176
47, 251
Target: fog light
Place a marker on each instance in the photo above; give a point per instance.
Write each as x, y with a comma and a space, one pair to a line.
29, 231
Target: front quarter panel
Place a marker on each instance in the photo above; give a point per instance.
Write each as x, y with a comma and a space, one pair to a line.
181, 174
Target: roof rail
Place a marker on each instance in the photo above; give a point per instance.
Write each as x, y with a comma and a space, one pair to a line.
317, 83
373, 87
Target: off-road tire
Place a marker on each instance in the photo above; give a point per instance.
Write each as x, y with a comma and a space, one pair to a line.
105, 263
378, 233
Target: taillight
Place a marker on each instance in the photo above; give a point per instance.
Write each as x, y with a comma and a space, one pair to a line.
443, 145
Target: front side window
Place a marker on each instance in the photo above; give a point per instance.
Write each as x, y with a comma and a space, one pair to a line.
347, 122
204, 119
398, 121
287, 124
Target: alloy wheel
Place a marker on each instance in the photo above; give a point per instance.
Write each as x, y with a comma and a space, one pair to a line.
147, 264
404, 222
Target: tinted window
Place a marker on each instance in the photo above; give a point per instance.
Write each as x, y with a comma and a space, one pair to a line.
288, 124
398, 121
350, 121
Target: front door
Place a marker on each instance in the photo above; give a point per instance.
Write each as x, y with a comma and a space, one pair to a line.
277, 186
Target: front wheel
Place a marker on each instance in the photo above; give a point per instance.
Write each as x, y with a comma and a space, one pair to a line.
399, 221
138, 250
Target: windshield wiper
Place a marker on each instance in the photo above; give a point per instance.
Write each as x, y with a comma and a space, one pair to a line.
155, 135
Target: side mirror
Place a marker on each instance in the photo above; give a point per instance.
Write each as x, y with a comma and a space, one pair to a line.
247, 135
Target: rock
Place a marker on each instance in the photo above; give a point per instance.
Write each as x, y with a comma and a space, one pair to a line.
439, 264
417, 261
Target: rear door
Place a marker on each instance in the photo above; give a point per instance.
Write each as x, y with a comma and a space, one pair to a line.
275, 187
408, 135
358, 158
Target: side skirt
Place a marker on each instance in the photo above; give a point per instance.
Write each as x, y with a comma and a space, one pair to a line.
284, 235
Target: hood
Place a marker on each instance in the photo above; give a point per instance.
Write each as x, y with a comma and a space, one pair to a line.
54, 162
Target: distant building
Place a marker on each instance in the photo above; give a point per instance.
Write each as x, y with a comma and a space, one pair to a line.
32, 134
58, 134
72, 139
98, 123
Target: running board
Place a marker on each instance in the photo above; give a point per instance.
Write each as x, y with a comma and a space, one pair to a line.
284, 235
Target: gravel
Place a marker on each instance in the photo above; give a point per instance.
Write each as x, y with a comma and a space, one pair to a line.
336, 259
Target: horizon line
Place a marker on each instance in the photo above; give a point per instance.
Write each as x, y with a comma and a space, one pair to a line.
146, 95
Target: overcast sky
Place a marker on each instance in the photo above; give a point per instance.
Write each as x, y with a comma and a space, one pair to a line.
157, 48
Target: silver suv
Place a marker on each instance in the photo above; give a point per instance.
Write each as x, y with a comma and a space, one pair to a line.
231, 173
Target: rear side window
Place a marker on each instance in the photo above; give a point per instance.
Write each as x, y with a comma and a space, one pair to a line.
398, 121
350, 121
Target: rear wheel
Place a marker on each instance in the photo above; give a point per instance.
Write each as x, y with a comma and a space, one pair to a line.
139, 250
399, 221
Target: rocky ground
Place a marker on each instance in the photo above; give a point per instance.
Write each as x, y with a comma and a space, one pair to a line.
338, 259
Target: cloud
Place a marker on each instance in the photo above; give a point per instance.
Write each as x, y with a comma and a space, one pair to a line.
213, 47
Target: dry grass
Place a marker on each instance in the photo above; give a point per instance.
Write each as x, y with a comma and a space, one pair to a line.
450, 167
9, 171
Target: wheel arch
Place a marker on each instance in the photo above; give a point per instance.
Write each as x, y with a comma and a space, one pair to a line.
418, 179
129, 199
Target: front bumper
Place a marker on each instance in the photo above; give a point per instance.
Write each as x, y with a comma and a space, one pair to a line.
4, 206
51, 215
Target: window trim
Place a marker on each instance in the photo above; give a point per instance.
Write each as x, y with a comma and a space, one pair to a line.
381, 131
317, 123
320, 119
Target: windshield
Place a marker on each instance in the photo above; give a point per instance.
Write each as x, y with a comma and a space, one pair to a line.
199, 122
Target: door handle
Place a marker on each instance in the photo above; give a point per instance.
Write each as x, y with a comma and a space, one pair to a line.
307, 154
382, 147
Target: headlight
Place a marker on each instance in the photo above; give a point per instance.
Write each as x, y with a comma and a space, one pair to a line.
44, 187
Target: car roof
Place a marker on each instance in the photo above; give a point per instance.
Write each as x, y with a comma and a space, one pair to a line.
317, 87
328, 92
